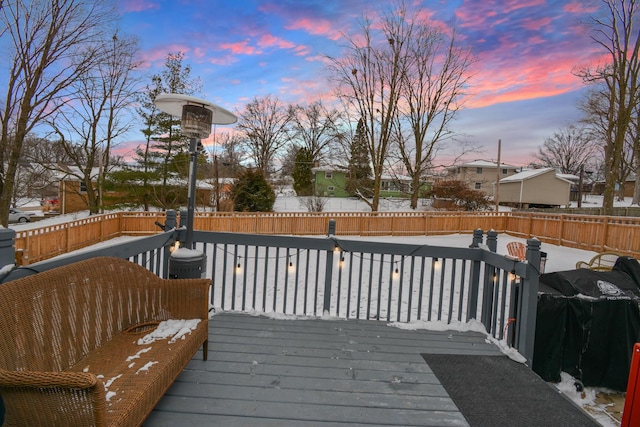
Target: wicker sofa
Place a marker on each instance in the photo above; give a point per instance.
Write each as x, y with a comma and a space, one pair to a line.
75, 343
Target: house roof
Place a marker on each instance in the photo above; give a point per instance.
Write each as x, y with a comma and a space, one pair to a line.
531, 173
483, 164
568, 177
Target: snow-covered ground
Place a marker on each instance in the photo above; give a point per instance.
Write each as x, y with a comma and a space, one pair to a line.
558, 259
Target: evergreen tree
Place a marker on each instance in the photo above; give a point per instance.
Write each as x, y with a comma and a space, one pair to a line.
166, 146
146, 173
302, 175
359, 175
252, 193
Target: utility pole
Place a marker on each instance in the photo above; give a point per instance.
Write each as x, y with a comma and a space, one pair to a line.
580, 180
497, 195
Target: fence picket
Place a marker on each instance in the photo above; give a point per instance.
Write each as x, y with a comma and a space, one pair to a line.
595, 233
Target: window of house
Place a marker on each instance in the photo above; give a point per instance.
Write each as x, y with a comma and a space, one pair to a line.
478, 185
328, 175
83, 187
504, 171
479, 171
331, 188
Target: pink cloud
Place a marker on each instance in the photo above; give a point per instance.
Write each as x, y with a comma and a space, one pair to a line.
536, 24
268, 40
223, 60
127, 149
320, 27
240, 48
138, 5
579, 7
199, 52
306, 91
508, 6
159, 53
302, 50
491, 13
521, 79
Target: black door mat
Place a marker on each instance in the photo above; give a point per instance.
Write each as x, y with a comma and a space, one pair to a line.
496, 391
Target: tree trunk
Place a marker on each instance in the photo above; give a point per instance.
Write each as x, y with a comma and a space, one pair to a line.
415, 190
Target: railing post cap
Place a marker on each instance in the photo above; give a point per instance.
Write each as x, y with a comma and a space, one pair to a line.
533, 242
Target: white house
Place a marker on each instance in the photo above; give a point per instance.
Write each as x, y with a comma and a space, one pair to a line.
480, 174
535, 187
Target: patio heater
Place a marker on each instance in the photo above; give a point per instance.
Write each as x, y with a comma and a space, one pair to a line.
197, 116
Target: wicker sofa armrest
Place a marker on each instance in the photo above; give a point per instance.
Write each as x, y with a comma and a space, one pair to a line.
53, 398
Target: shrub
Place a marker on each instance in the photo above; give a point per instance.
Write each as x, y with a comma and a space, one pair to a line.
252, 193
463, 197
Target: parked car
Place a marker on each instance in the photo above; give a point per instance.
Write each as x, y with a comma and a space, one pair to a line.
16, 215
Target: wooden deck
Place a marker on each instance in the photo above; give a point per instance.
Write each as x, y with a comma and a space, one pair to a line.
267, 372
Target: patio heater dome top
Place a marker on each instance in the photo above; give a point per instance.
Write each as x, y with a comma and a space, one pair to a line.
197, 114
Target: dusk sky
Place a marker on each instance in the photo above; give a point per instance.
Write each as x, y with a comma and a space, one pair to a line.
523, 87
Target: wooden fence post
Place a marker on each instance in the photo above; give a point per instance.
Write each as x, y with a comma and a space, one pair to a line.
605, 234
101, 238
425, 223
561, 231
66, 236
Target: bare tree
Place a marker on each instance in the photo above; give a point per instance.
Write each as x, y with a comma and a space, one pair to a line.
596, 107
87, 127
264, 124
616, 34
401, 73
568, 149
436, 75
45, 40
316, 128
369, 78
230, 155
36, 174
634, 133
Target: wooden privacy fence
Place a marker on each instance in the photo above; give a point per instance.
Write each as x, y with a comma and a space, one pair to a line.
594, 233
46, 242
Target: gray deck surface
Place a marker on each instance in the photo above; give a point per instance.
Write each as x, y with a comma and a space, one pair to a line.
267, 372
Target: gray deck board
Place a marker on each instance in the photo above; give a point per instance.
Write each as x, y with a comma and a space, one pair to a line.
317, 372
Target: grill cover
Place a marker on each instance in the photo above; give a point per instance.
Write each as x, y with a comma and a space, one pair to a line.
587, 324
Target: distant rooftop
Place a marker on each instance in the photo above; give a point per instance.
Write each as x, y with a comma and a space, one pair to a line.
530, 173
483, 164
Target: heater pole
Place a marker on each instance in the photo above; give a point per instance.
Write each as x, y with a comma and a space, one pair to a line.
191, 198
497, 195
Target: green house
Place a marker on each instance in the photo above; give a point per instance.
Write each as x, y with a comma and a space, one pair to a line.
331, 182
